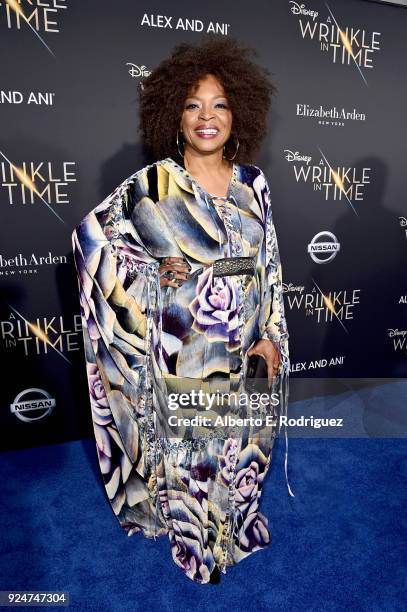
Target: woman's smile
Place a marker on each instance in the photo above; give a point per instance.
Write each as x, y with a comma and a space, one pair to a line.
207, 132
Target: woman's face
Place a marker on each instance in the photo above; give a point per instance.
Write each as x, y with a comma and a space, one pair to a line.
206, 108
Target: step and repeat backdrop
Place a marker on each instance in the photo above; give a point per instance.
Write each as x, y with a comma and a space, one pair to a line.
335, 158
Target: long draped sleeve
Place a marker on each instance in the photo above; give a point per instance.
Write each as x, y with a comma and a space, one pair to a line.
275, 324
272, 319
119, 300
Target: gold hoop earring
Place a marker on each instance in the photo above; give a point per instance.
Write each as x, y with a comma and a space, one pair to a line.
237, 148
180, 154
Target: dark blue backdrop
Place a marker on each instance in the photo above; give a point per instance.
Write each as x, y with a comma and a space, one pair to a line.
334, 157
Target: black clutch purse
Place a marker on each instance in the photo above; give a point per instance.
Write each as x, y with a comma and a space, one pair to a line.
256, 375
231, 266
256, 367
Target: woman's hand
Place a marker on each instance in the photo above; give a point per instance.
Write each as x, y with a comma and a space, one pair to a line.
177, 270
271, 354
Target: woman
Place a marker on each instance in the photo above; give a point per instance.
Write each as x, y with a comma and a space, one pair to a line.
163, 316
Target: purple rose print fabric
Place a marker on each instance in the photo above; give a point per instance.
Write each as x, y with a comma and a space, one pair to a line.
198, 485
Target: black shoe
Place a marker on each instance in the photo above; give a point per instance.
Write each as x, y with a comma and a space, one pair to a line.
215, 576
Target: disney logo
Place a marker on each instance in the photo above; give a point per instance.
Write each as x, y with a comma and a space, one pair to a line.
290, 156
290, 287
299, 9
397, 332
137, 71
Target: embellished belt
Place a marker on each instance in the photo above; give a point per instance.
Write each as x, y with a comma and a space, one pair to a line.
232, 266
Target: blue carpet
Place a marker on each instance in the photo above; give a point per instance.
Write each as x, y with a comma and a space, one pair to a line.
339, 544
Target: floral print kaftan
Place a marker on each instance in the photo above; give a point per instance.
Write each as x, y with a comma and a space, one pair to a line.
199, 486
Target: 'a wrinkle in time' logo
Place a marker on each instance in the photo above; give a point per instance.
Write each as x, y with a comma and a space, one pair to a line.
325, 307
398, 338
37, 183
336, 183
43, 15
349, 45
43, 336
34, 16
